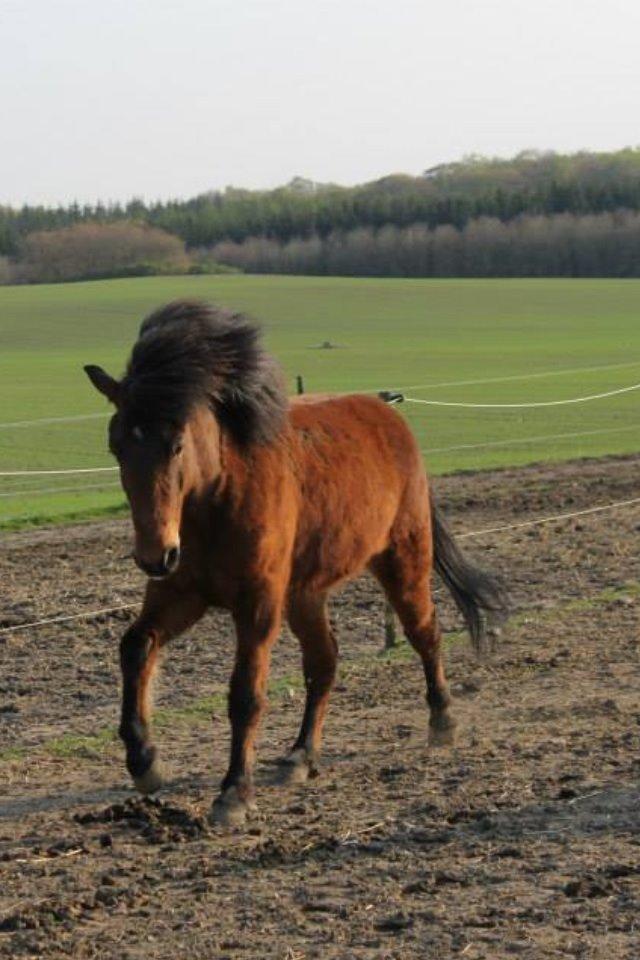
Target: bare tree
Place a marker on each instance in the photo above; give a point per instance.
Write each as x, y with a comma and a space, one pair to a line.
90, 250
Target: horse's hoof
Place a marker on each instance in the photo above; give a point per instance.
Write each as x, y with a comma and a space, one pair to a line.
297, 768
151, 780
294, 768
442, 733
228, 810
295, 773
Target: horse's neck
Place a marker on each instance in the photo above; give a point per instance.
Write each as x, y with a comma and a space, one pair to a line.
219, 474
228, 479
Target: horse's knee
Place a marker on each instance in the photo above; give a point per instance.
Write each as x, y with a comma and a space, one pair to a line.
319, 682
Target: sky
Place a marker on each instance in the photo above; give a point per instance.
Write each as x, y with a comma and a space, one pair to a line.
120, 98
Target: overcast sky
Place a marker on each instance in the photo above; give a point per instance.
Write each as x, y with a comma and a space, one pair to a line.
120, 98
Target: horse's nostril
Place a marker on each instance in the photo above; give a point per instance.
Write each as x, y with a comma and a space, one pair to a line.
171, 558
160, 568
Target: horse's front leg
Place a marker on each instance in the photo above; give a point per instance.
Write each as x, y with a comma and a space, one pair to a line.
166, 613
256, 630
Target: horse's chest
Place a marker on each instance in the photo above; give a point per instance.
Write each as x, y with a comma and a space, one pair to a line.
220, 581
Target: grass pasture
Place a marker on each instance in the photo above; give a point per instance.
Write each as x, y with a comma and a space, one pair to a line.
476, 341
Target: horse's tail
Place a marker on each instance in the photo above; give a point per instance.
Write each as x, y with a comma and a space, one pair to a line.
480, 597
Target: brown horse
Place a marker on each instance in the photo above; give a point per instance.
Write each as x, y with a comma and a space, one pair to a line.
244, 501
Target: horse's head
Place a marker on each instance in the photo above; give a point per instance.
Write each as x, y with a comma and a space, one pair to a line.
194, 373
156, 468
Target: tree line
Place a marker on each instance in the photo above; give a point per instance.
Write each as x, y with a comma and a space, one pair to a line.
89, 251
450, 194
560, 245
95, 251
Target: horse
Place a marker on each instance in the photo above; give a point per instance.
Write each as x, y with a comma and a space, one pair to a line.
244, 500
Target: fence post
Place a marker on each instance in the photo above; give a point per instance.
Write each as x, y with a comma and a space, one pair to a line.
300, 385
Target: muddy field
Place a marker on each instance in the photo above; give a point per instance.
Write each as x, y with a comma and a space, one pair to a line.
522, 840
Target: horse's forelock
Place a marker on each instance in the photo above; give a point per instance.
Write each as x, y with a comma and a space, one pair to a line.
192, 353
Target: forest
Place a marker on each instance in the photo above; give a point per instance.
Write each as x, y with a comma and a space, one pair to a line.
563, 245
534, 214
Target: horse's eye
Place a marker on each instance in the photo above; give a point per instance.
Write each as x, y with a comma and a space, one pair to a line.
137, 434
176, 449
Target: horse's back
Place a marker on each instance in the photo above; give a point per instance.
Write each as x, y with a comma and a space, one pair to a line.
353, 425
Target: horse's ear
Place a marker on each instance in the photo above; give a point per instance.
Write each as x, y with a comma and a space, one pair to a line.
103, 382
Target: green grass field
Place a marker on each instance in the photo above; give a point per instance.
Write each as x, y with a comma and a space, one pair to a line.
502, 341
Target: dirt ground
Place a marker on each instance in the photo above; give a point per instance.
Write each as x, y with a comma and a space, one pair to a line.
522, 840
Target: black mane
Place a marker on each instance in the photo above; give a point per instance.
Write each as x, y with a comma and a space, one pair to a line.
191, 352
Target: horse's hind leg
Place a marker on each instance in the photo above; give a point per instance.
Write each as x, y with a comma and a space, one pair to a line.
309, 621
165, 614
404, 571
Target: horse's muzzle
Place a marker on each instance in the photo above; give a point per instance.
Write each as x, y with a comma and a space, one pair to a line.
162, 568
